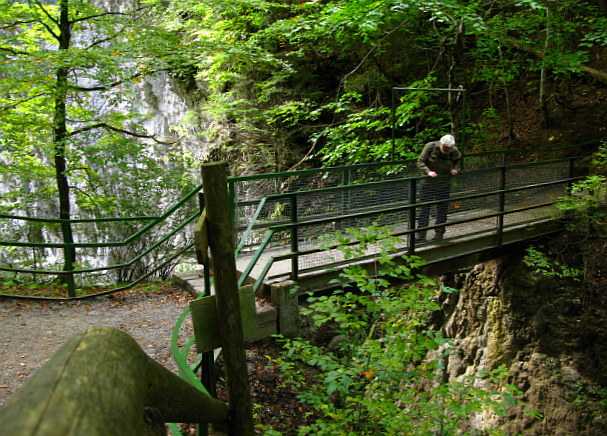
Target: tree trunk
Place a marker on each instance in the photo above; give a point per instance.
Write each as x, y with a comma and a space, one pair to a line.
511, 134
592, 72
59, 141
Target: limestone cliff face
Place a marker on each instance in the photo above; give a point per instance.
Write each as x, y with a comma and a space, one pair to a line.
550, 334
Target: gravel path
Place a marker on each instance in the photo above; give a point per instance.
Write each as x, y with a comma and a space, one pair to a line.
31, 331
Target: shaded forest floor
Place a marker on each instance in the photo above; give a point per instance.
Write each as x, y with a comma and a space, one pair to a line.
32, 331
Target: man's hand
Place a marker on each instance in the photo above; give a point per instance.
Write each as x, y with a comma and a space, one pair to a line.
454, 172
432, 173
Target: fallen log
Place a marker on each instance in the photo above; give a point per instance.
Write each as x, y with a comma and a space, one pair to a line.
100, 383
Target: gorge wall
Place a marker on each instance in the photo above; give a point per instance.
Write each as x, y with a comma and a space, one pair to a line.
549, 333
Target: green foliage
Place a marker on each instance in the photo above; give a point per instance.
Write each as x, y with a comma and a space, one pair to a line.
591, 196
592, 399
542, 264
105, 58
70, 125
288, 79
586, 203
266, 91
382, 372
597, 36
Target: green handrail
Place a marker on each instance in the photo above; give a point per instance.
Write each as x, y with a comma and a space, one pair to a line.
273, 229
153, 221
128, 240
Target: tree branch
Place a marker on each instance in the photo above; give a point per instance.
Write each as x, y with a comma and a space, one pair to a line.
109, 13
13, 51
117, 130
360, 64
17, 23
106, 87
50, 17
594, 73
20, 101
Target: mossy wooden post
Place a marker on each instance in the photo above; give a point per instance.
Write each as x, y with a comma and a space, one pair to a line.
221, 244
286, 298
99, 383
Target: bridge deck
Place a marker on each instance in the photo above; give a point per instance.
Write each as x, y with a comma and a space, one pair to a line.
465, 243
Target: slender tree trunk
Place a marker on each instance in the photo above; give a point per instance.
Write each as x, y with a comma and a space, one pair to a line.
511, 134
543, 73
59, 140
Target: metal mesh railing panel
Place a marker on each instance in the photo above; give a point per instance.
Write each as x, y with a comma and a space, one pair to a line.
324, 203
472, 209
320, 236
366, 198
366, 174
470, 229
273, 212
314, 205
252, 189
535, 174
482, 161
474, 206
475, 183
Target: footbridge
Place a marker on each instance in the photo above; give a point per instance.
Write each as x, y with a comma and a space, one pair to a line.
289, 225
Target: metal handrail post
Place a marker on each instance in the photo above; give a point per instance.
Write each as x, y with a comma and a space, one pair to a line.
501, 205
68, 258
412, 212
294, 237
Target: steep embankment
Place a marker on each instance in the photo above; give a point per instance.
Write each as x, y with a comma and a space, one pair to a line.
551, 333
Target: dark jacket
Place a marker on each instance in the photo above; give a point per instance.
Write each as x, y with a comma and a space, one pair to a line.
433, 159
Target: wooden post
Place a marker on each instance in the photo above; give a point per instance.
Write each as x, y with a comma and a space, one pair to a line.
99, 383
221, 244
286, 298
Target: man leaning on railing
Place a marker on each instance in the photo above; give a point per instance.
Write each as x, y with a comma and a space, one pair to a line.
440, 160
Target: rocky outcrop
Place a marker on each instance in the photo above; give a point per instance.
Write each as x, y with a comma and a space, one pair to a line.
551, 335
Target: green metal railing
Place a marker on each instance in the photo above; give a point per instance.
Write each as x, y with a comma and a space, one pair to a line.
257, 203
71, 270
247, 193
505, 197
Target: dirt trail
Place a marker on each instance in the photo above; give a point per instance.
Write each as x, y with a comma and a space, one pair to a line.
31, 331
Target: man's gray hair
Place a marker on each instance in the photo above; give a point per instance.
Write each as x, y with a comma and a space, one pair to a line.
448, 141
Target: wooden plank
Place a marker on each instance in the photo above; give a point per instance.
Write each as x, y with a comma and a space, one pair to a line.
204, 317
201, 240
206, 321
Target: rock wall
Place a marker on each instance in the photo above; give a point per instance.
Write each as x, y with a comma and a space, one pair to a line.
549, 333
